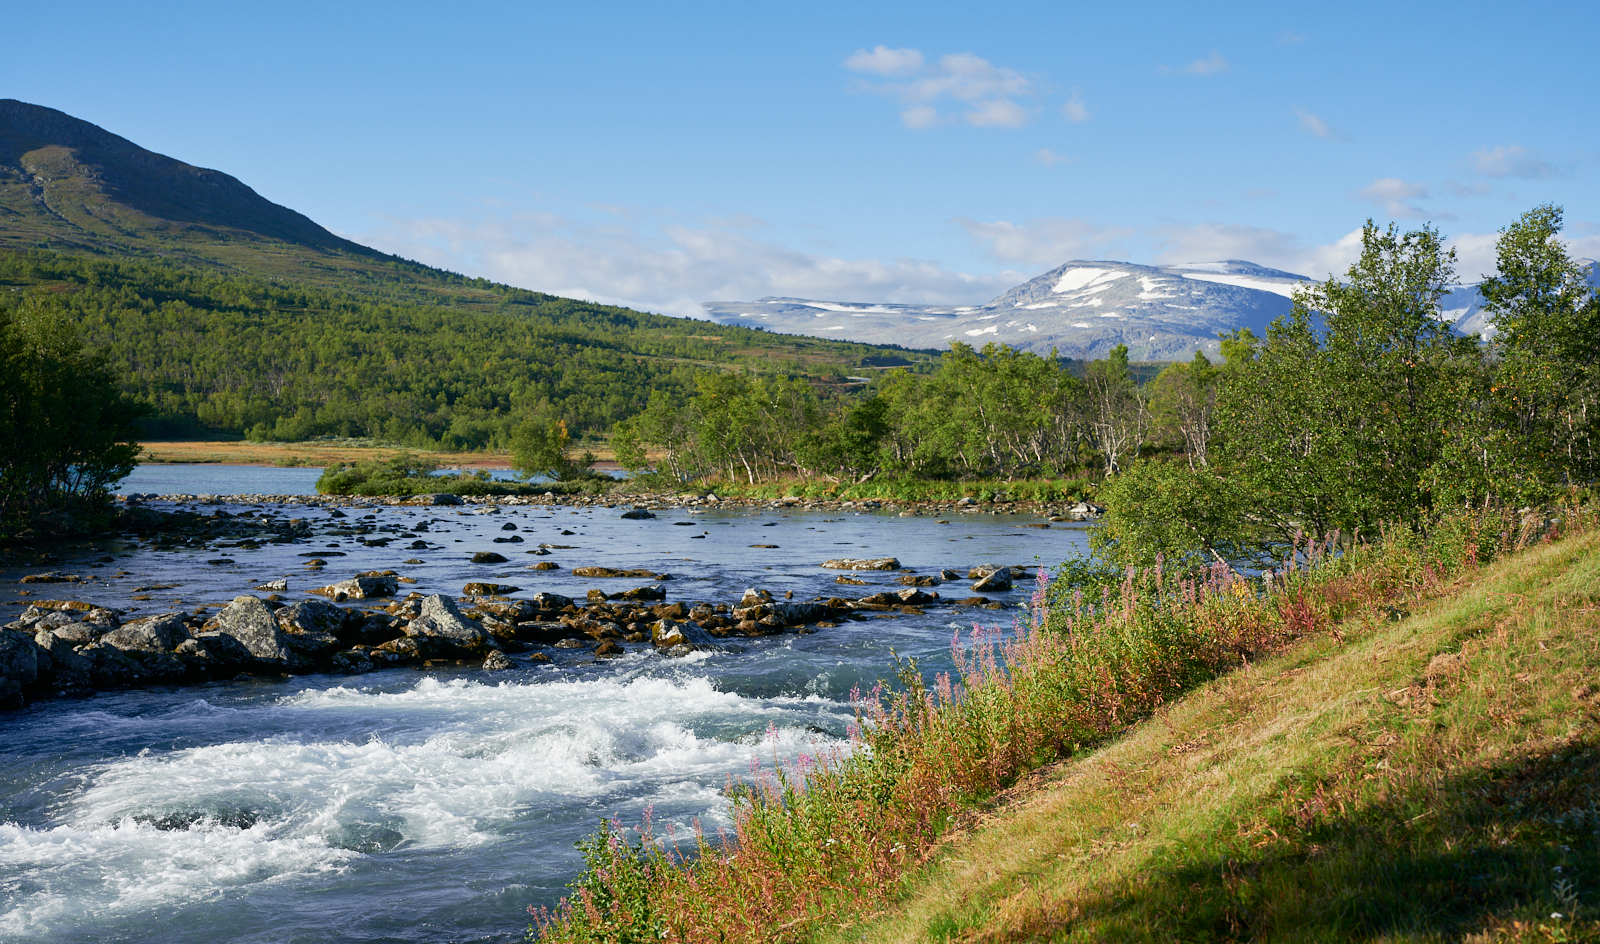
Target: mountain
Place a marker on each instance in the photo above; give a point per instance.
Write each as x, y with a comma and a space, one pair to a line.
70, 186
1081, 309
226, 312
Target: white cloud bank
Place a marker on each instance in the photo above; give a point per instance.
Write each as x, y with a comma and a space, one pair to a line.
671, 268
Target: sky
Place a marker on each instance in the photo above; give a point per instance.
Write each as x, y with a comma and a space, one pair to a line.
661, 155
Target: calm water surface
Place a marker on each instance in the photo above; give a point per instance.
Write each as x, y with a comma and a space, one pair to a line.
435, 805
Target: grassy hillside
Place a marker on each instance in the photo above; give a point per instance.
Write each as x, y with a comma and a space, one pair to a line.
1435, 778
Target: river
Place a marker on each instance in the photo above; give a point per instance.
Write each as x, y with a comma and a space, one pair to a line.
436, 805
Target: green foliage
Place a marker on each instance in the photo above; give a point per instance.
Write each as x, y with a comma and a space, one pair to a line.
1164, 511
540, 446
66, 432
211, 350
407, 474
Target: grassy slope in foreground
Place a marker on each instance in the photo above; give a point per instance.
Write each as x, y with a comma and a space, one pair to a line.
1437, 778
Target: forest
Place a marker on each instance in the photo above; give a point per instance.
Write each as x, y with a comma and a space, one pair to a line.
211, 352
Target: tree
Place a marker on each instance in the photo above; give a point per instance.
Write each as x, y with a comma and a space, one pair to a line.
1183, 403
1117, 411
1341, 426
1546, 379
66, 431
540, 446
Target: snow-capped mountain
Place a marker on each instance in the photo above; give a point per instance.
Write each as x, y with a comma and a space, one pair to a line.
1081, 309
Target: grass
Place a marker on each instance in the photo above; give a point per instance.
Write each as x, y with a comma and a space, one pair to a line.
1176, 850
1431, 779
900, 489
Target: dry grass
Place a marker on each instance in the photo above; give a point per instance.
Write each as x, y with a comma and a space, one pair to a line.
1428, 779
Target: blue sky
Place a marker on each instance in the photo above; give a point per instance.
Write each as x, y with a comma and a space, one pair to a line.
661, 155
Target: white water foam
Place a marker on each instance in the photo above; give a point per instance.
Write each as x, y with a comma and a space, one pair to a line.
446, 765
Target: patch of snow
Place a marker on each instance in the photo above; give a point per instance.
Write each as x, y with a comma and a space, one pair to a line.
1150, 287
987, 317
1043, 305
852, 309
1110, 314
1203, 266
1091, 303
1030, 327
1080, 324
1286, 289
1111, 277
992, 329
1074, 279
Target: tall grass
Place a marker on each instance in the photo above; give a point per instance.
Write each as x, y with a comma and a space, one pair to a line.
831, 835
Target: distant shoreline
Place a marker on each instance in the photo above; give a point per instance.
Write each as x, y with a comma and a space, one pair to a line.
316, 454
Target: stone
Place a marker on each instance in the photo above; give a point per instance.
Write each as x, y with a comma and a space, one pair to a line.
274, 586
497, 662
438, 500
637, 514
996, 582
57, 660
363, 586
551, 601
652, 592
489, 557
852, 581
786, 614
19, 660
915, 596
570, 643
155, 634
608, 650
545, 565
441, 619
754, 597
253, 625
352, 662
214, 653
912, 580
612, 572
673, 635
312, 616
478, 589
112, 668
851, 563
948, 574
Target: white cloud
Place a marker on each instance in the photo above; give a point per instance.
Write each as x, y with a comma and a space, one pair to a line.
1395, 196
960, 87
1075, 110
666, 263
1214, 242
1509, 160
1211, 65
1315, 125
1046, 241
1050, 158
885, 61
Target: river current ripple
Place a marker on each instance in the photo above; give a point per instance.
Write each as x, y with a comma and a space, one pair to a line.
436, 805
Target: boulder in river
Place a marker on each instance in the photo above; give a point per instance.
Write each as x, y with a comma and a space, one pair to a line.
497, 662
755, 597
253, 625
312, 616
637, 574
852, 563
153, 634
913, 596
551, 601
637, 514
363, 586
996, 581
441, 619
480, 589
651, 592
488, 557
913, 580
19, 665
60, 663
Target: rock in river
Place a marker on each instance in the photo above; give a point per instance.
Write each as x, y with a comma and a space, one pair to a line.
851, 563
253, 625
